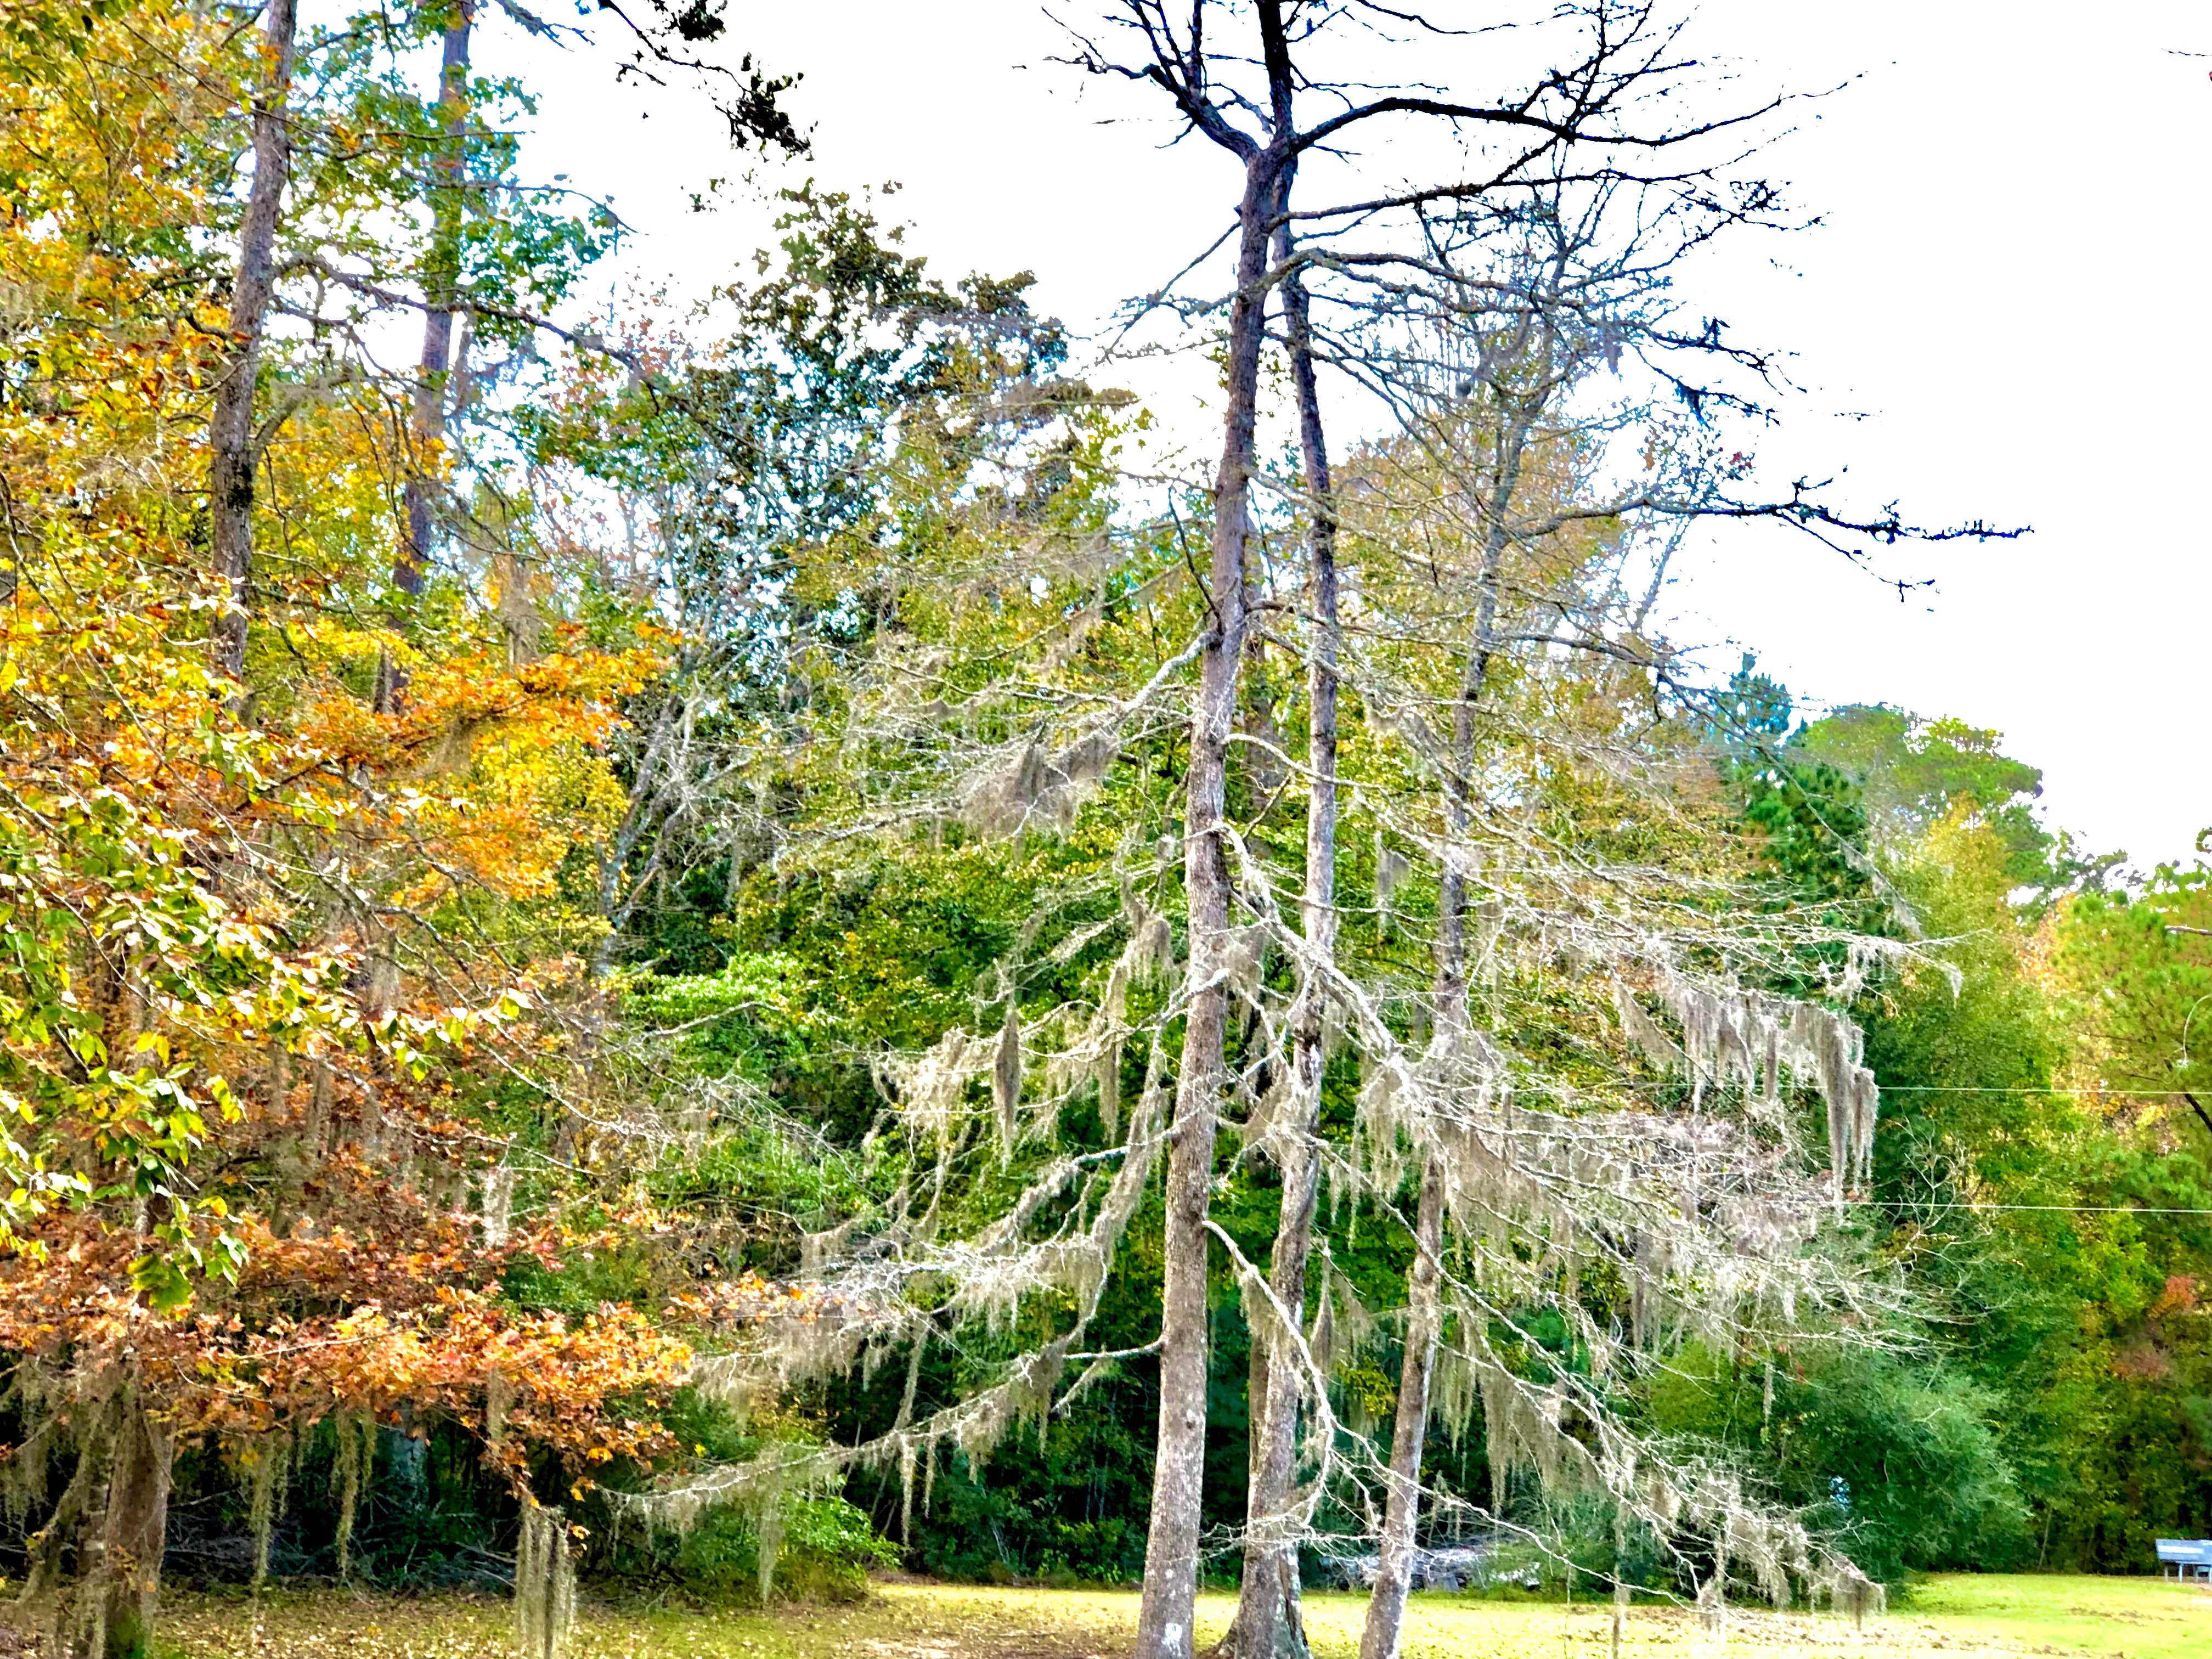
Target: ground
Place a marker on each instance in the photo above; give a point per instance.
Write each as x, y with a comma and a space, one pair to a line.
1960, 1617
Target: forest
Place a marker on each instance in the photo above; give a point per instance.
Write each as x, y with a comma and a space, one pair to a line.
699, 955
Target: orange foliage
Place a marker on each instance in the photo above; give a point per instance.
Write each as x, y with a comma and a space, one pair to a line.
230, 1002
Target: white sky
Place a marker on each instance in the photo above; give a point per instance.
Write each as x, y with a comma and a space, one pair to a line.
2010, 282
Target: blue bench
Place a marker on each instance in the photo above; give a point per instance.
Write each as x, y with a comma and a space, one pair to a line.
2190, 1557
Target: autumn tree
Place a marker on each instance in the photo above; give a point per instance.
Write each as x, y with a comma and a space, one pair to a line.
283, 944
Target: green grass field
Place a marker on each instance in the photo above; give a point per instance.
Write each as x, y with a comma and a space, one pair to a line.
1960, 1617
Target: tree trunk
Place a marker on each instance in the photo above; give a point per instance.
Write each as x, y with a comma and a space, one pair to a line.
1163, 1625
1386, 1608
441, 292
231, 456
46, 1551
1513, 454
410, 565
1270, 1624
133, 1535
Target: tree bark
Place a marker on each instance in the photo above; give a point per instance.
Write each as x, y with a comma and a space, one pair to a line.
410, 564
65, 1531
1163, 1625
134, 1534
442, 288
1270, 1622
1386, 1608
231, 457
1451, 933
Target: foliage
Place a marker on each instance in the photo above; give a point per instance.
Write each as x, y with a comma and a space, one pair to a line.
2141, 973
289, 982
2067, 1332
1915, 772
824, 1551
664, 998
1902, 1455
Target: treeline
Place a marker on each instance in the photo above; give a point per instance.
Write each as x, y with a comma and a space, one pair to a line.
737, 948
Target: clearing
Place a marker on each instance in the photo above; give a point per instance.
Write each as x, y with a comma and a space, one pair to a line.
1961, 1617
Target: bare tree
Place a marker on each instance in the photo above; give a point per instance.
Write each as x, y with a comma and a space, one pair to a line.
1534, 753
1268, 1620
1256, 120
1552, 255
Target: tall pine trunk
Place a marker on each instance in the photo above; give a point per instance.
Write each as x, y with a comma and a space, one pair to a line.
231, 457
1163, 1623
1269, 1622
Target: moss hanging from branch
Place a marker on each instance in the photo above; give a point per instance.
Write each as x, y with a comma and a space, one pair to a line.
544, 1583
355, 1458
1007, 1079
268, 1461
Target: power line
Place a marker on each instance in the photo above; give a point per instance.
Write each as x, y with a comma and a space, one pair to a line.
2017, 1089
2067, 1209
1676, 1085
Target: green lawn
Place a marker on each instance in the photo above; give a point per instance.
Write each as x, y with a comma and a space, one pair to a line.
2141, 1618
1960, 1617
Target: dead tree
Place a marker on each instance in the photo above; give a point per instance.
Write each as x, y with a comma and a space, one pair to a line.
433, 391
1522, 1178
1245, 100
1268, 1622
1164, 1623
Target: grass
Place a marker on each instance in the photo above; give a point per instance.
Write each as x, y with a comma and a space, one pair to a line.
1961, 1617
2141, 1618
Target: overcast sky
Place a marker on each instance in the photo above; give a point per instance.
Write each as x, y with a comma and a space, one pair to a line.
2009, 286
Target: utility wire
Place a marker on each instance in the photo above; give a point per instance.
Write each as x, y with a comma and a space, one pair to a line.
2010, 1089
2063, 1209
1675, 1085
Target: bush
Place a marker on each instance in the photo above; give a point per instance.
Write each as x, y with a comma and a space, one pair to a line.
1898, 1461
825, 1552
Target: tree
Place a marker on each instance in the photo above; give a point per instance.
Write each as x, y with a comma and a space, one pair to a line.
2142, 962
1546, 190
231, 458
944, 675
433, 388
242, 889
1912, 772
791, 911
1267, 1614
